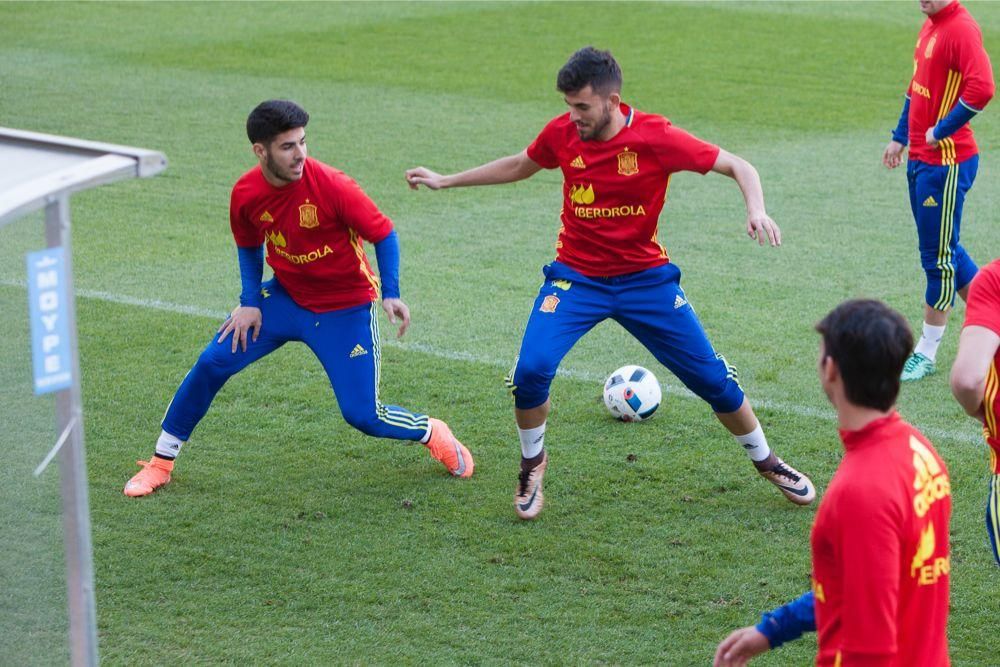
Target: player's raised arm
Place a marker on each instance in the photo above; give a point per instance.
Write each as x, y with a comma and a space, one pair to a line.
505, 170
759, 223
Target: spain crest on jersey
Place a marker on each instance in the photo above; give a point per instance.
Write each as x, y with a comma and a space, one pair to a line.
628, 162
307, 216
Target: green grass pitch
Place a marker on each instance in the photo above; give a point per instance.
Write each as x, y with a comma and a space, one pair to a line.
288, 538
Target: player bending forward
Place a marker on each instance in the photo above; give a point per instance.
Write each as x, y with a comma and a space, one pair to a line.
616, 162
312, 218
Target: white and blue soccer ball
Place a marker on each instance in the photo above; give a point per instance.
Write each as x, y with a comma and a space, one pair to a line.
632, 394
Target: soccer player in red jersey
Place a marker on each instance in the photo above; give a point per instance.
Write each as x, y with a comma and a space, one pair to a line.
880, 542
952, 82
616, 163
975, 379
312, 219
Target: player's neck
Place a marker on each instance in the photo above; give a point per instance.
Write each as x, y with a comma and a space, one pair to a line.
616, 125
851, 417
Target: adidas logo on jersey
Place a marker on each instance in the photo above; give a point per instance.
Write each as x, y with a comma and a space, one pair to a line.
266, 217
358, 351
679, 301
930, 202
578, 162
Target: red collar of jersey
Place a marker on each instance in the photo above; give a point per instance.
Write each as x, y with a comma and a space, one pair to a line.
628, 112
866, 433
946, 13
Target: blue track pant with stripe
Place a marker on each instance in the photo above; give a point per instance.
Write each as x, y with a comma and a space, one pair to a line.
345, 341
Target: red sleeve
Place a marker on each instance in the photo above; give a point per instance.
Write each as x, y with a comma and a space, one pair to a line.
541, 150
870, 556
983, 308
678, 150
247, 235
358, 211
974, 64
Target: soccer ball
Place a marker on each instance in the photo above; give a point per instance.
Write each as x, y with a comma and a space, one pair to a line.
632, 394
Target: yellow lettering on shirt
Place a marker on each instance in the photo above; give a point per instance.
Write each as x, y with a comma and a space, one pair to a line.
589, 212
306, 258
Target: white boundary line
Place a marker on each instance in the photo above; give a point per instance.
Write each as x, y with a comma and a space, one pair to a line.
936, 434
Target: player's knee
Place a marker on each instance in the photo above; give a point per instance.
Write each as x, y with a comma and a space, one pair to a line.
365, 421
215, 362
529, 383
727, 397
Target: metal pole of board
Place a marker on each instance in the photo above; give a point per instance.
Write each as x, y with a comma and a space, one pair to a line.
73, 465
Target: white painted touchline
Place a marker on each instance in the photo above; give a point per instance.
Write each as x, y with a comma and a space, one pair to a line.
791, 408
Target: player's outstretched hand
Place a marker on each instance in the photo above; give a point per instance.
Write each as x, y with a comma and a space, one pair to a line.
397, 312
424, 176
242, 320
761, 228
892, 156
741, 645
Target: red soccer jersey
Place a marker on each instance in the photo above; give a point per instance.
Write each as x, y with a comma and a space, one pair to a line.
313, 228
983, 310
949, 63
613, 190
880, 551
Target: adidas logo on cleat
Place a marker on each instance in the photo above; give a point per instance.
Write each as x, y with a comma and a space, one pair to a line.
930, 202
358, 351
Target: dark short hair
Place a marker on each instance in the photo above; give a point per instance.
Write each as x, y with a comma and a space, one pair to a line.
869, 341
272, 117
592, 67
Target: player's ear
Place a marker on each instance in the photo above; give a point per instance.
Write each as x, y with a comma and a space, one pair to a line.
828, 368
615, 99
259, 150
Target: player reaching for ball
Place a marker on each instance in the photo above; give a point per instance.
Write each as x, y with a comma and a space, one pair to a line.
312, 218
616, 163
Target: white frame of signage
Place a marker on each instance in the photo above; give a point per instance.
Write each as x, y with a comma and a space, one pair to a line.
43, 170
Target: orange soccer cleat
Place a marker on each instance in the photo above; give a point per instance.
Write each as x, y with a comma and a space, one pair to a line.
154, 474
446, 448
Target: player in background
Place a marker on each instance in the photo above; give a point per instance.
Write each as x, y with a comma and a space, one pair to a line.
312, 218
616, 163
952, 82
975, 379
880, 541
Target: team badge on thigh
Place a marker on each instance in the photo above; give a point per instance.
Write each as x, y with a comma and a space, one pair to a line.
628, 162
549, 304
308, 217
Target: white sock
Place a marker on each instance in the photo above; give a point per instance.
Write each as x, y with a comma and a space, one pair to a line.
755, 444
168, 446
427, 436
532, 441
929, 340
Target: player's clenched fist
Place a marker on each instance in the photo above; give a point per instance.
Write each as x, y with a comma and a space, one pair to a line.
424, 176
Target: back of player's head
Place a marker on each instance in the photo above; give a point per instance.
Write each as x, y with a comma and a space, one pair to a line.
272, 117
869, 342
592, 67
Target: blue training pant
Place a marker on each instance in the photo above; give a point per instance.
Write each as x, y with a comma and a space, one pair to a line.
650, 305
345, 341
937, 193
